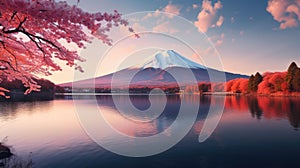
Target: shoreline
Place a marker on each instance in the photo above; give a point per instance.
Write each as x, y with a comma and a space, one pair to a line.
295, 94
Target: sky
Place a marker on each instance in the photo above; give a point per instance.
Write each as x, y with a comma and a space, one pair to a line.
236, 36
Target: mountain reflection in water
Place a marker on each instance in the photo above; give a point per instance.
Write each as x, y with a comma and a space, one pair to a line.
253, 131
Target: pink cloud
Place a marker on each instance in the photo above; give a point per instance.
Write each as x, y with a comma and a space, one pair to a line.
207, 16
138, 28
195, 6
217, 40
218, 5
153, 14
170, 8
294, 9
165, 28
220, 21
289, 23
287, 13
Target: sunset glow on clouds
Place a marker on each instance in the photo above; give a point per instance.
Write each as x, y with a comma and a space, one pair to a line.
207, 16
165, 28
170, 8
286, 12
220, 21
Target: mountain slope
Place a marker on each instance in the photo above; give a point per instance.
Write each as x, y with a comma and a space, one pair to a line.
156, 70
168, 58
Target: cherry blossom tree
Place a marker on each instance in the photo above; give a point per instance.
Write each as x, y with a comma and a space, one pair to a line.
33, 34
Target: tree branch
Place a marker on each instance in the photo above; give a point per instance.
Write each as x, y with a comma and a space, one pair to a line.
41, 38
16, 30
13, 15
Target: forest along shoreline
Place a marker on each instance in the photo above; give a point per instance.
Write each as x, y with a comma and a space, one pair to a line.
284, 84
279, 84
271, 84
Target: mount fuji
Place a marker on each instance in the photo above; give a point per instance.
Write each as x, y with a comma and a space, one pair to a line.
156, 70
167, 59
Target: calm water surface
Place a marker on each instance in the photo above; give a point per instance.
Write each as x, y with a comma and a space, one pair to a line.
253, 132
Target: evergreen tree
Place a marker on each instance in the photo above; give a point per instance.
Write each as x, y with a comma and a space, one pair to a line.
254, 81
291, 83
296, 81
257, 79
250, 83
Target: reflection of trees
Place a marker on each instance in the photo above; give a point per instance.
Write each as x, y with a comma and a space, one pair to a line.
269, 107
294, 119
205, 100
237, 102
254, 107
294, 113
10, 110
279, 107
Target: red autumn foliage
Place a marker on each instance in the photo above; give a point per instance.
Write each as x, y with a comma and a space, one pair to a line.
239, 85
270, 83
273, 83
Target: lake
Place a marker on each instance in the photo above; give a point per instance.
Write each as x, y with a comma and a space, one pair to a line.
252, 132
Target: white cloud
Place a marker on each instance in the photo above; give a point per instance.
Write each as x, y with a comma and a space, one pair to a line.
286, 12
207, 16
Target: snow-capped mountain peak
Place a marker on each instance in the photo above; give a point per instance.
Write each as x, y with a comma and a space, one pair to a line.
158, 77
168, 58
